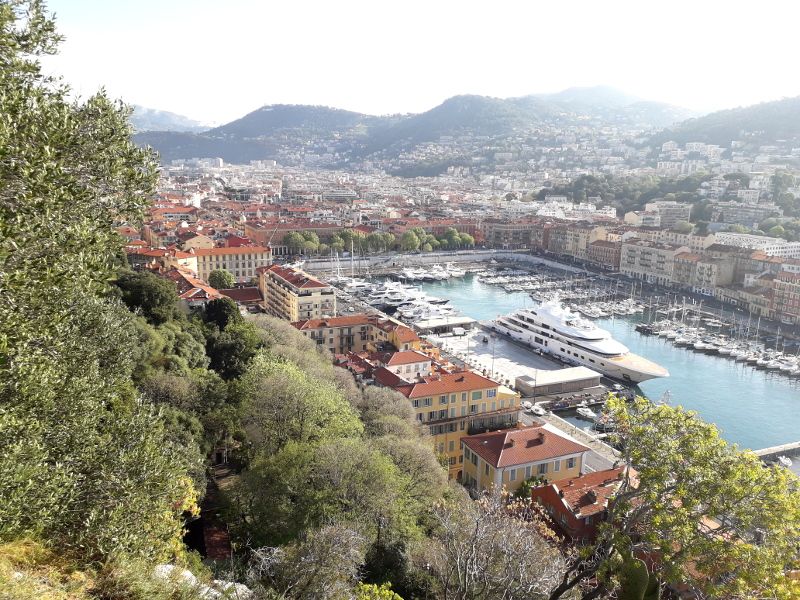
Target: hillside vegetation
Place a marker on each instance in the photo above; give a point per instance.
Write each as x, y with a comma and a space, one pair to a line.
259, 134
763, 123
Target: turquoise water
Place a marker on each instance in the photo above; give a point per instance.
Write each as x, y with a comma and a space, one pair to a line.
752, 408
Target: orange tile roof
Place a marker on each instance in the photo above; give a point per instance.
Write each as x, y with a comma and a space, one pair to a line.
231, 250
463, 381
246, 294
296, 278
588, 494
406, 357
521, 446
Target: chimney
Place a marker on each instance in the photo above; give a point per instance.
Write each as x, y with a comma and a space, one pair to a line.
541, 437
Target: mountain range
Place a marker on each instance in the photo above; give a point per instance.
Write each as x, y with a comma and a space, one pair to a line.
150, 119
291, 132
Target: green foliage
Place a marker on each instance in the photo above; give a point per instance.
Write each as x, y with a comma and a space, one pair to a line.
83, 464
409, 241
283, 403
715, 517
683, 227
230, 350
31, 571
221, 279
154, 296
294, 241
222, 312
370, 591
634, 579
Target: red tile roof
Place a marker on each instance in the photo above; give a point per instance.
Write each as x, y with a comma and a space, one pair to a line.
521, 446
589, 494
246, 294
406, 357
296, 278
385, 377
464, 381
190, 287
231, 250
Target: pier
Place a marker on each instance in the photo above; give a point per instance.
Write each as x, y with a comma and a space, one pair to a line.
773, 452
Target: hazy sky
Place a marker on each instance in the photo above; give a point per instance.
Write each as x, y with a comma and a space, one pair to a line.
215, 60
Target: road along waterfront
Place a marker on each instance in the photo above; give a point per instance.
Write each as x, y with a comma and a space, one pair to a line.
752, 408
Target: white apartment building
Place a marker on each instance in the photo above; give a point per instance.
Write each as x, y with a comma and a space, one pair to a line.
649, 261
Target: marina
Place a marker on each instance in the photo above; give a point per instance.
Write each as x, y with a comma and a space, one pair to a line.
754, 405
754, 408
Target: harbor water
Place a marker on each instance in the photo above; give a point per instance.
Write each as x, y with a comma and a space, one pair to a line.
753, 408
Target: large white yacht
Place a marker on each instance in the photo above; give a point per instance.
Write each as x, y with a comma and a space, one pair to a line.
556, 331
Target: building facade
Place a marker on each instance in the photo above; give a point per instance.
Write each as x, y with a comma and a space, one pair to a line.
506, 459
454, 405
293, 295
243, 262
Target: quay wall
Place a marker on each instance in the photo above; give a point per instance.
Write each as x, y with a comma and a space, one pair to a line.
386, 262
774, 452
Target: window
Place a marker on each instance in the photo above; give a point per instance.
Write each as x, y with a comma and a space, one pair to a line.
451, 446
571, 463
463, 411
477, 395
486, 469
431, 415
512, 475
473, 409
463, 396
443, 413
452, 398
428, 401
491, 393
420, 416
542, 469
452, 461
502, 403
452, 412
557, 466
442, 399
466, 453
528, 472
415, 403
494, 405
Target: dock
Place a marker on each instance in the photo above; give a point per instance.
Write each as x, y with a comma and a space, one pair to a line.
791, 450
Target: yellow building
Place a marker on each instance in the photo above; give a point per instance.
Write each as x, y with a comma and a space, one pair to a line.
508, 458
363, 333
454, 405
242, 262
340, 335
293, 295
